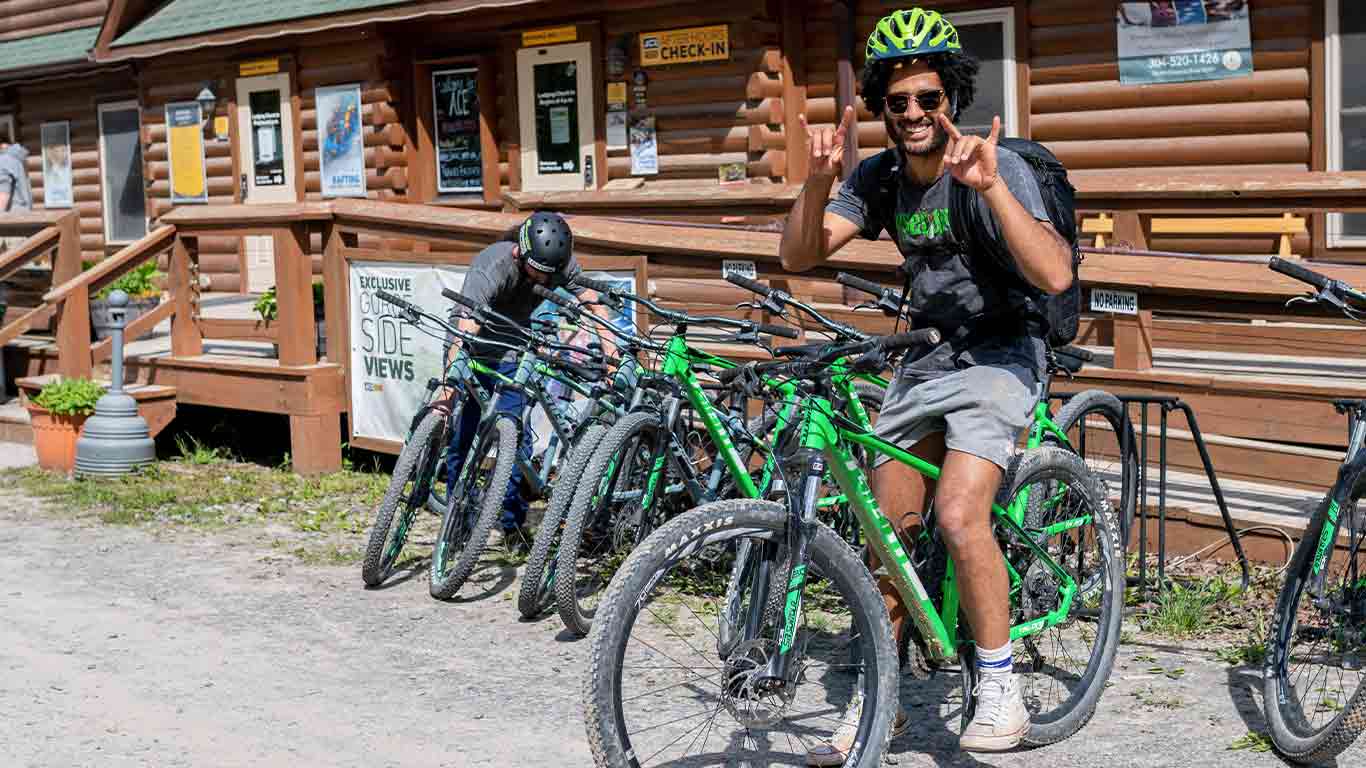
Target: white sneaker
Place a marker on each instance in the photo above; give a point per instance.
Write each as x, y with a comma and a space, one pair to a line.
1001, 720
835, 750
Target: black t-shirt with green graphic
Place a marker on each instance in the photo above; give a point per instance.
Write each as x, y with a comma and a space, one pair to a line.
948, 288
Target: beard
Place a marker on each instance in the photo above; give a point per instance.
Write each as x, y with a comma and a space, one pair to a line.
901, 130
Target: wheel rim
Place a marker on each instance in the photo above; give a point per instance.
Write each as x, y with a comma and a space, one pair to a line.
460, 521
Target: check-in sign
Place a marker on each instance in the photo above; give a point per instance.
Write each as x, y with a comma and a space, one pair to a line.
683, 46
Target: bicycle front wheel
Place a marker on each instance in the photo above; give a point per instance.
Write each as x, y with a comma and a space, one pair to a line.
662, 688
1312, 689
409, 487
476, 500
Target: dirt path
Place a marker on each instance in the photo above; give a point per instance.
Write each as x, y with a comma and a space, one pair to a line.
118, 648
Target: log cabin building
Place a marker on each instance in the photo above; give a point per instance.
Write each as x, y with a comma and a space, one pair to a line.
636, 111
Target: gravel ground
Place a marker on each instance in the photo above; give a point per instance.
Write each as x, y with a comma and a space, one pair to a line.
125, 647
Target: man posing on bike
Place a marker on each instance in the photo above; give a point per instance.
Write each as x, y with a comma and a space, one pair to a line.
501, 276
962, 403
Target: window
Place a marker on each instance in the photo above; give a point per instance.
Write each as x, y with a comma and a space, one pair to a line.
990, 36
1346, 104
125, 202
7, 128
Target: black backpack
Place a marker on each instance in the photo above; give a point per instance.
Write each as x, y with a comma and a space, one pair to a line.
1061, 313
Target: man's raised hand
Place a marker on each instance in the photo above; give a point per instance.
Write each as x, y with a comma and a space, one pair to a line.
827, 144
971, 159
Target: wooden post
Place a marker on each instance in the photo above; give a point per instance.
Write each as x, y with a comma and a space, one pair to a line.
73, 318
294, 294
315, 442
1129, 229
186, 338
336, 290
1134, 341
844, 79
794, 91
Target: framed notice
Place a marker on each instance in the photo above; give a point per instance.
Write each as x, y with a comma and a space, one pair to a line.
390, 360
556, 92
644, 147
56, 138
455, 100
340, 141
185, 137
1168, 41
267, 139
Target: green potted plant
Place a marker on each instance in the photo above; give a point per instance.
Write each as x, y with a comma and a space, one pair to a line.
143, 286
56, 414
267, 307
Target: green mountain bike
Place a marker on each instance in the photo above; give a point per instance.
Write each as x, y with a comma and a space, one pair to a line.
674, 674
1316, 654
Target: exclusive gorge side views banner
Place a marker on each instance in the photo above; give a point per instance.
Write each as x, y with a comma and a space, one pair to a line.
391, 360
1170, 41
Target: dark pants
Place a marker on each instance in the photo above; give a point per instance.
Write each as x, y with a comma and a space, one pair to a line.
462, 435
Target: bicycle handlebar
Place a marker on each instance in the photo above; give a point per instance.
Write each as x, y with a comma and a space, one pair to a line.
736, 278
786, 332
858, 283
396, 301
1298, 272
601, 286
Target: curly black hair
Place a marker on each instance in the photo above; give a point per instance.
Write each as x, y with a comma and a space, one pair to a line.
958, 71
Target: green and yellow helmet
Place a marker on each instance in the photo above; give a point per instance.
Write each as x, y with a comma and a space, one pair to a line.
912, 32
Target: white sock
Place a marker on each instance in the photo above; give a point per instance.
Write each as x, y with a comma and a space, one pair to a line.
995, 661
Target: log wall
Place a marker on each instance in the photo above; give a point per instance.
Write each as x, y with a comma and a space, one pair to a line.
75, 101
30, 18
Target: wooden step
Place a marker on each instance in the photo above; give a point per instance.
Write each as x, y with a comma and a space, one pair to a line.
156, 402
14, 422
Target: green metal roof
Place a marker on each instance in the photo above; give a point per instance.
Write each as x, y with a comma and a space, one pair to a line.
54, 48
184, 18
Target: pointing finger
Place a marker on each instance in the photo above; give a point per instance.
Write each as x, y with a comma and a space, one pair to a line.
948, 126
995, 129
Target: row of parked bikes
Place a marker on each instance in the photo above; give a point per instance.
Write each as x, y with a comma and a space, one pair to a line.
708, 524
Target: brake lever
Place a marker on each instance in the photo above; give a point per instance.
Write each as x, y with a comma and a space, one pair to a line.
1308, 298
867, 305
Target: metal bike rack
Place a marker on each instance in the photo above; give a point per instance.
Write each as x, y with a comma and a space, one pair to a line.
1166, 404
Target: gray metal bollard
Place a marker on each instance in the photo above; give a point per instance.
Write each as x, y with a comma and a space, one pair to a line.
116, 439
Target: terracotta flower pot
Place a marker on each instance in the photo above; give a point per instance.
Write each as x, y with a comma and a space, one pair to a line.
54, 438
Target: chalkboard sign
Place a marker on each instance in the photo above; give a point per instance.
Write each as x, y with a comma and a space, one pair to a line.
455, 97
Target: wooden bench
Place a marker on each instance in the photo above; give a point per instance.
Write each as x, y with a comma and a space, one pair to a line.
1285, 226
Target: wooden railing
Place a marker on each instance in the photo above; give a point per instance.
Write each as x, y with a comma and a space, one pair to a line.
57, 233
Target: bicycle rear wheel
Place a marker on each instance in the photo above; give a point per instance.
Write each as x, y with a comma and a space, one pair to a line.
1095, 425
1312, 690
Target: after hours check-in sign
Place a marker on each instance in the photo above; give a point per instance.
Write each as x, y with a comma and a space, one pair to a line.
683, 46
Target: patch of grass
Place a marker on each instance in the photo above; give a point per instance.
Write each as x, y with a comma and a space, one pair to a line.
192, 451
1255, 741
327, 555
1183, 610
1151, 698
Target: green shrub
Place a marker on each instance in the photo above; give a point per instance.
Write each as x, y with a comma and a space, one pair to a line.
69, 397
139, 283
268, 306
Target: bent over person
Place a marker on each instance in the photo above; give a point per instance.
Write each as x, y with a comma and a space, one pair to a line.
962, 403
541, 252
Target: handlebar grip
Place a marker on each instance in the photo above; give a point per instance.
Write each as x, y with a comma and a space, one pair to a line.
1077, 352
392, 299
551, 296
601, 286
727, 375
911, 338
458, 298
735, 278
786, 332
580, 372
1291, 269
858, 283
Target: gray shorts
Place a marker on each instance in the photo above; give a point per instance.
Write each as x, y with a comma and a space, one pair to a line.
981, 410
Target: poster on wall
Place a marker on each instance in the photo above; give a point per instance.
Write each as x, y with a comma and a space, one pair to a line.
185, 135
684, 46
556, 91
455, 99
644, 148
56, 139
267, 139
390, 360
340, 139
1169, 41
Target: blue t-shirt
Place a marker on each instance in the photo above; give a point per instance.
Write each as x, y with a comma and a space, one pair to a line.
950, 289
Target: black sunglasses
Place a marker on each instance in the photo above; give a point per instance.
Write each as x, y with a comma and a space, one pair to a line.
929, 101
